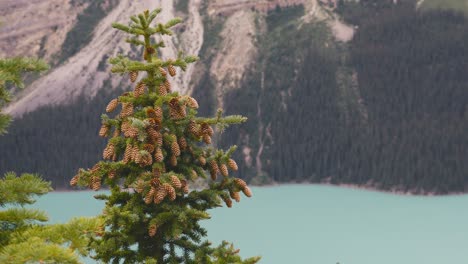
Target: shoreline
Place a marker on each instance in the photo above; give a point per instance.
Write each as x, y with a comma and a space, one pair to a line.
365, 187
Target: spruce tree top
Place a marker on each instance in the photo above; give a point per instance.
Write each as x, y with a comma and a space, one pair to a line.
157, 147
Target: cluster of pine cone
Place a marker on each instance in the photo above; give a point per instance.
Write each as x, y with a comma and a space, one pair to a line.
147, 143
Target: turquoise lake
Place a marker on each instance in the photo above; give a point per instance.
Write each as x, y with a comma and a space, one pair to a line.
315, 224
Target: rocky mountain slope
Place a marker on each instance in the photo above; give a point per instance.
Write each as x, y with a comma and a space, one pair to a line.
359, 92
86, 71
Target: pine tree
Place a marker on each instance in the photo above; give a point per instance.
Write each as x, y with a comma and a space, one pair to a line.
10, 74
157, 148
22, 238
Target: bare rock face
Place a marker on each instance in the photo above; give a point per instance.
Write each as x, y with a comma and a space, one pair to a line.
80, 74
35, 27
237, 51
39, 27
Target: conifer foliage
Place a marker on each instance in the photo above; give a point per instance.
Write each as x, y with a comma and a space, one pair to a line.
157, 148
10, 74
23, 236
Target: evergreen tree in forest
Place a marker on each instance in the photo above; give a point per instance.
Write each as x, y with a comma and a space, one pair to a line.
22, 239
157, 148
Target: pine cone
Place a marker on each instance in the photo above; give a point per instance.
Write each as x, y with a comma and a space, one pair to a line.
103, 131
158, 155
214, 169
95, 168
207, 129
159, 113
155, 182
185, 187
151, 113
159, 141
172, 70
170, 191
160, 195
152, 230
235, 196
95, 183
146, 160
116, 132
224, 170
241, 183
127, 109
139, 89
247, 191
202, 160
112, 174
182, 143
109, 151
162, 71
74, 180
131, 132
136, 153
149, 196
162, 90
193, 128
152, 133
232, 164
207, 139
175, 149
227, 201
176, 182
112, 105
167, 84
149, 148
192, 103
133, 76
173, 161
128, 154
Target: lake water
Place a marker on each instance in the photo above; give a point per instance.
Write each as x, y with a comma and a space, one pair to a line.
313, 224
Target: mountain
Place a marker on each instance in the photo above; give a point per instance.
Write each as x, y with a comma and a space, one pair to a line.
367, 93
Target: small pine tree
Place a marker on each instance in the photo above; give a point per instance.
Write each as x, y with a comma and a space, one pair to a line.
157, 148
24, 240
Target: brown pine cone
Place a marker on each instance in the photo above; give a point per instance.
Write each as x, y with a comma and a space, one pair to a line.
139, 89
247, 191
103, 131
133, 76
162, 71
112, 105
235, 196
232, 164
192, 103
74, 180
172, 70
241, 183
170, 191
224, 170
176, 182
162, 90
175, 149
158, 155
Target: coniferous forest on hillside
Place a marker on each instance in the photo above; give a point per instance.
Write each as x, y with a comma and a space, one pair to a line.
389, 108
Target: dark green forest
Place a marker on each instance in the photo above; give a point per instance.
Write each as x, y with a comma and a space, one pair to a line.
404, 126
389, 108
